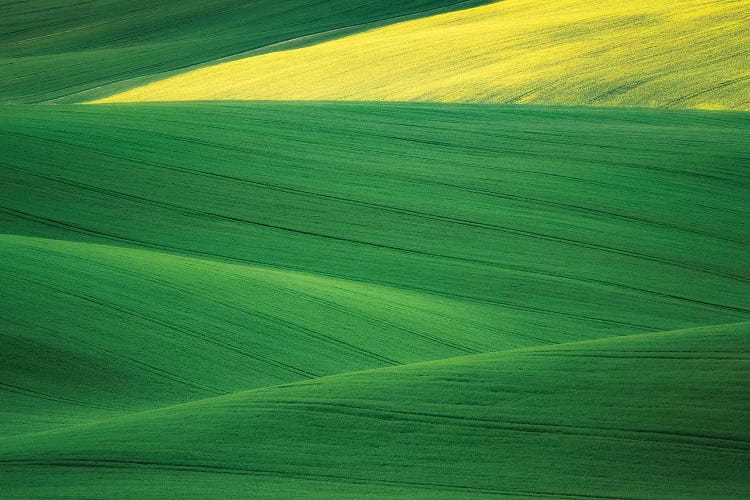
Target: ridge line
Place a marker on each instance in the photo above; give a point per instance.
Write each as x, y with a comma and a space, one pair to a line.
370, 370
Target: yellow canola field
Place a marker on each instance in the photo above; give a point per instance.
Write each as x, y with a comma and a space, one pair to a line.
656, 53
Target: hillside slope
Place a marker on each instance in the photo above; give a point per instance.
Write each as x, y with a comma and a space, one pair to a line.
173, 274
673, 53
58, 49
564, 221
215, 248
647, 416
138, 329
430, 249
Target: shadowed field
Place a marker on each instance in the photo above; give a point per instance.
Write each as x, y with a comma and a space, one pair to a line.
614, 418
675, 53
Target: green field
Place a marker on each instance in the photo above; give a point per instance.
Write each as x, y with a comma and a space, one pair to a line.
469, 426
167, 254
317, 299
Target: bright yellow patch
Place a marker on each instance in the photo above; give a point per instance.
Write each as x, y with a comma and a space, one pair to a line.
656, 53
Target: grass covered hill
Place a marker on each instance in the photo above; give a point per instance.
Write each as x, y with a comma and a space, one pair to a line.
517, 207
78, 50
539, 288
217, 288
614, 418
670, 53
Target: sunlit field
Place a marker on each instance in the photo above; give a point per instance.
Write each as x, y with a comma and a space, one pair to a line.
674, 53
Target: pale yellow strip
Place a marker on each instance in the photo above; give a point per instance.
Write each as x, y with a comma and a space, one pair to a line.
655, 53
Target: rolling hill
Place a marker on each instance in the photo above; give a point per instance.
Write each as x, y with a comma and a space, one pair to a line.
674, 53
75, 51
183, 264
613, 418
539, 288
136, 329
520, 207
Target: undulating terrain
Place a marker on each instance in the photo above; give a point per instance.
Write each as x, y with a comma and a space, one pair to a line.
420, 249
669, 53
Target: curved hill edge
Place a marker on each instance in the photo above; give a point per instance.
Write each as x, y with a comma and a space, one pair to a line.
670, 54
116, 87
63, 52
677, 396
604, 342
